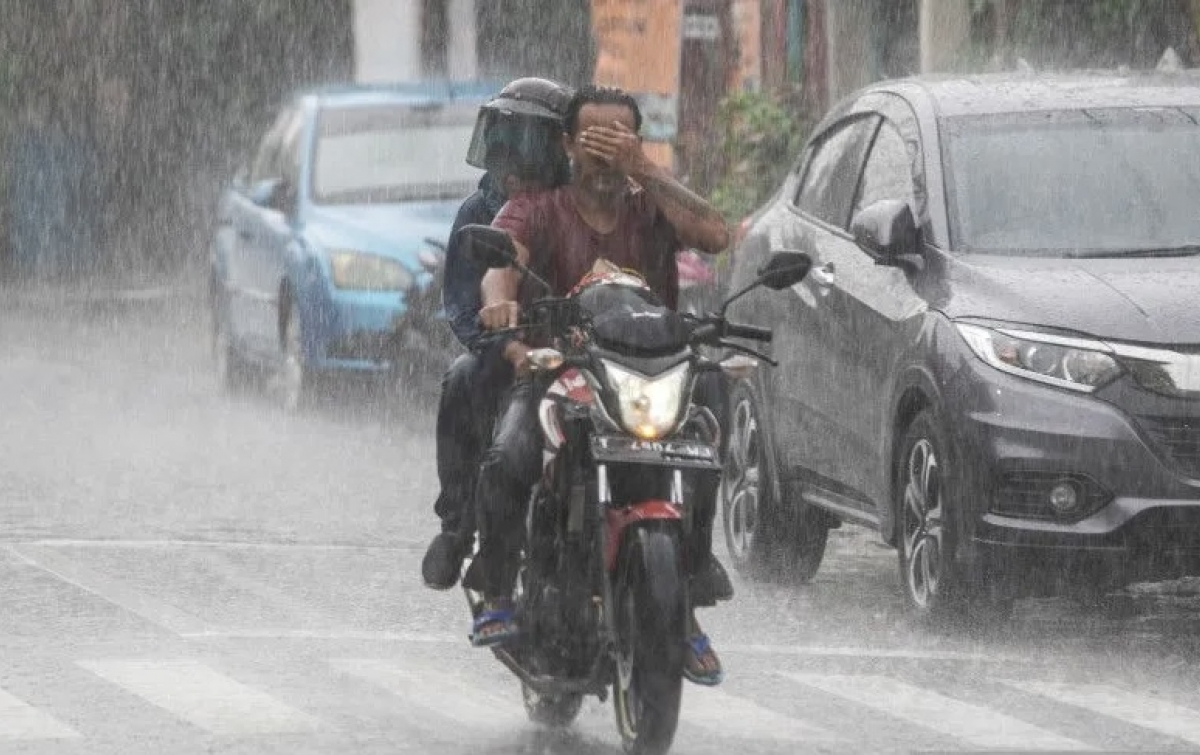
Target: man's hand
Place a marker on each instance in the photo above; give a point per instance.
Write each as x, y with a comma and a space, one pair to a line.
517, 355
615, 145
502, 314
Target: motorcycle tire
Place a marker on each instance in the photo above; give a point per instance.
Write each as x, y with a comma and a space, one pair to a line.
652, 625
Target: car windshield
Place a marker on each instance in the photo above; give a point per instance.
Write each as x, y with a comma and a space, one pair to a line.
393, 153
1076, 183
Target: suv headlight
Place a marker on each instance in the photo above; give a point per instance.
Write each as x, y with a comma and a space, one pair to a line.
649, 407
368, 272
1075, 363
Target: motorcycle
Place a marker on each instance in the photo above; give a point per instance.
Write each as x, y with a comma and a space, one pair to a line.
601, 596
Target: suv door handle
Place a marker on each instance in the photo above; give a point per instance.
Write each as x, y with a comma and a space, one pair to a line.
823, 275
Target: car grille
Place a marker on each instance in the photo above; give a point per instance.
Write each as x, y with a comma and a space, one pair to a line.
1179, 437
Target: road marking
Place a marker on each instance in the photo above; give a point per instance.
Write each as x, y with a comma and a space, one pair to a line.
156, 612
202, 697
859, 652
336, 635
721, 712
1148, 712
981, 727
218, 544
20, 720
442, 695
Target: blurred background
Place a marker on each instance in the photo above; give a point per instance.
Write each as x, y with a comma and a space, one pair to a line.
120, 122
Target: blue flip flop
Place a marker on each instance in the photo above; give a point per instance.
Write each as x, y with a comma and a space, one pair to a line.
502, 617
698, 645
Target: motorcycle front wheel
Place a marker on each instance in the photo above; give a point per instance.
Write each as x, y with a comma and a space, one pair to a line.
651, 614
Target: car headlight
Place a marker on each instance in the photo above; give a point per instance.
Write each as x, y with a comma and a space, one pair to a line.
1074, 363
649, 407
368, 272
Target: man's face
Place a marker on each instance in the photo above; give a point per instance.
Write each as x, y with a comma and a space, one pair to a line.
590, 173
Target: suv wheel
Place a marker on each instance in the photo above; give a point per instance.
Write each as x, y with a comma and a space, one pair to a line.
935, 585
763, 540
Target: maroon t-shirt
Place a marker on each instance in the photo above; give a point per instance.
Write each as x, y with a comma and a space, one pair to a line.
563, 247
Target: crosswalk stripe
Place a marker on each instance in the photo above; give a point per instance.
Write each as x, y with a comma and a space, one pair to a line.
20, 720
202, 696
1145, 711
439, 694
722, 712
982, 727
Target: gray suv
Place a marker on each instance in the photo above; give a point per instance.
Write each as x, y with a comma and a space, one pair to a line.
995, 361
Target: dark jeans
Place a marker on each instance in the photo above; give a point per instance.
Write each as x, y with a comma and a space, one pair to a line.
472, 390
513, 464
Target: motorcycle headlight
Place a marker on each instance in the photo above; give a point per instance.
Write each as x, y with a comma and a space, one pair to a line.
1075, 363
649, 407
368, 272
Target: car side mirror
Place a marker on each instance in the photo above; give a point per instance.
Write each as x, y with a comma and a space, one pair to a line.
886, 230
273, 194
486, 246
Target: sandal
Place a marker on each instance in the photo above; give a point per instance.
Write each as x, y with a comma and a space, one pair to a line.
494, 625
701, 664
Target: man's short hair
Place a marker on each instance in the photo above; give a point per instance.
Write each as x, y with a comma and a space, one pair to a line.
592, 94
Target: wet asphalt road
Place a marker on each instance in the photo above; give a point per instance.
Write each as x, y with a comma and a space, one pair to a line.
187, 573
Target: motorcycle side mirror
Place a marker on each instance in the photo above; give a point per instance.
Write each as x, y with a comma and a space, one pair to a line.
487, 246
785, 270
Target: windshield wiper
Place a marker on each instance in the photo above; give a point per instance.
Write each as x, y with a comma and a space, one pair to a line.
1187, 250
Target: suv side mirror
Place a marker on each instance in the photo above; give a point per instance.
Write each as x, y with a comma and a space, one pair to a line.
273, 194
886, 230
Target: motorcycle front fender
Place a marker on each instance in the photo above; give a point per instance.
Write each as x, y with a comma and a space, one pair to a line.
619, 521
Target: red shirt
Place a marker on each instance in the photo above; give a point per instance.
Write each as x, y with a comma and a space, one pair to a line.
563, 247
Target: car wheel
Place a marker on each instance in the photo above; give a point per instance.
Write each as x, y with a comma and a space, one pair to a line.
764, 541
935, 585
295, 381
233, 375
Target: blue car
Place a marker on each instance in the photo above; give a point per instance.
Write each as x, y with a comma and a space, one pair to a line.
334, 226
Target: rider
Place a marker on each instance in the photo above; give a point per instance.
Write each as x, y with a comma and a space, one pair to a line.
623, 207
517, 140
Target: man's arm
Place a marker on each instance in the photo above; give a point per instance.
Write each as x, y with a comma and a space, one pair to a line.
696, 222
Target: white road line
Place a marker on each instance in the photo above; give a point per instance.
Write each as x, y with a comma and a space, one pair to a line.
980, 726
861, 652
217, 544
336, 635
20, 720
154, 611
1148, 712
441, 695
203, 697
729, 715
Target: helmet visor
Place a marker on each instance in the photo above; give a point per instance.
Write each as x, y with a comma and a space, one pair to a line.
525, 143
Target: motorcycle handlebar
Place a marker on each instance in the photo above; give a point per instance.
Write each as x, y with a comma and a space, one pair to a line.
734, 330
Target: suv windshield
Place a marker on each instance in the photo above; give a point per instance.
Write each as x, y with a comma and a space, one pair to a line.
1076, 183
393, 153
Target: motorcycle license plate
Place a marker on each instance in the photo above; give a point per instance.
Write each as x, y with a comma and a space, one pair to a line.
610, 449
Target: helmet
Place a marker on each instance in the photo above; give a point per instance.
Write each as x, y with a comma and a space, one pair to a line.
524, 120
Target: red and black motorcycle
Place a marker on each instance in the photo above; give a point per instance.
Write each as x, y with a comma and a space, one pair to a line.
602, 595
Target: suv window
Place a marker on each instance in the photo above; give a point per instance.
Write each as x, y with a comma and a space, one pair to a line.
833, 170
267, 162
888, 172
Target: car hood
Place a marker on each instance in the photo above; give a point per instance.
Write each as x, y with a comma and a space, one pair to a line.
1146, 300
390, 230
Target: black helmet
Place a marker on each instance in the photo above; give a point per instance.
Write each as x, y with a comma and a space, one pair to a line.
525, 118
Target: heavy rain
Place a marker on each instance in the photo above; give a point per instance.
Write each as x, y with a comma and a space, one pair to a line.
929, 483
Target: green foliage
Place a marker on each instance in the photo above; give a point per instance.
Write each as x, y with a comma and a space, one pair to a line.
759, 136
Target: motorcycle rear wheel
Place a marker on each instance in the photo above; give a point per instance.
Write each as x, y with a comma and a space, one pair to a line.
651, 625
